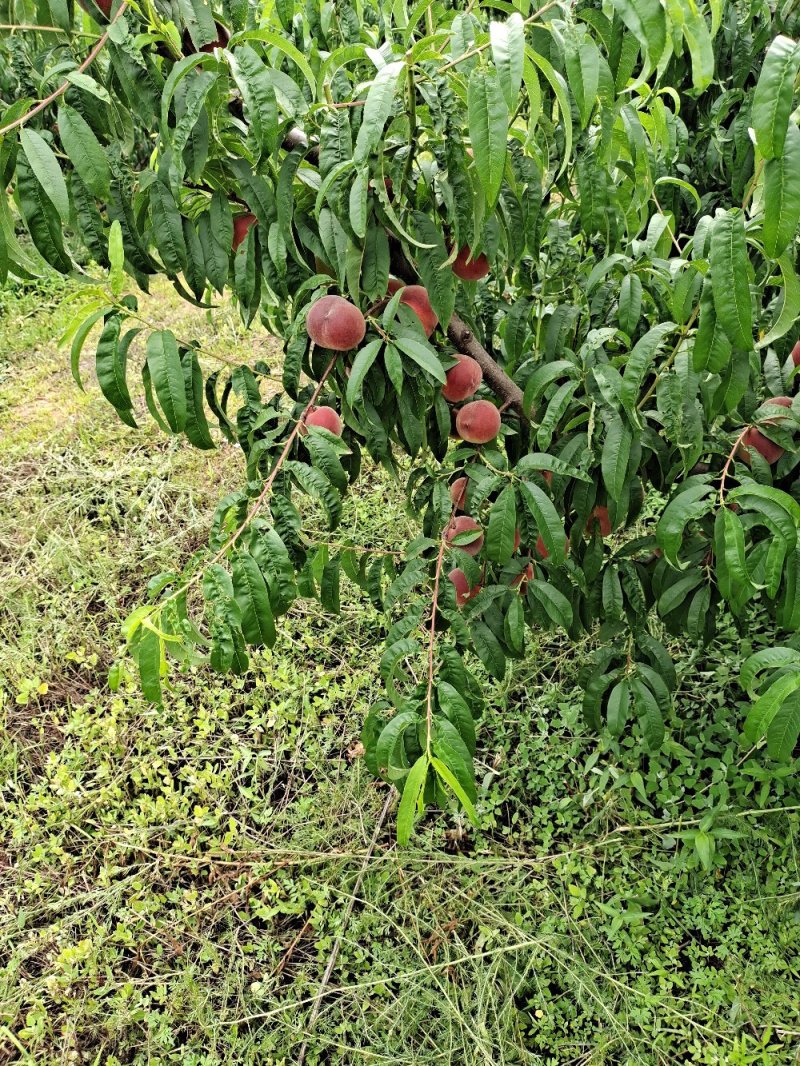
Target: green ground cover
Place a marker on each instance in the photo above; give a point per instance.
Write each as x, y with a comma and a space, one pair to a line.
172, 883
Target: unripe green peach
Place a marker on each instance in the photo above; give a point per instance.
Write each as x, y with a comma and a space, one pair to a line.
335, 323
463, 380
478, 422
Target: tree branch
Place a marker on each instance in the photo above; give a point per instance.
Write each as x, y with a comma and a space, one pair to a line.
65, 84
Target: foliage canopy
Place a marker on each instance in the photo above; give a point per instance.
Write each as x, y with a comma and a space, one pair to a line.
631, 173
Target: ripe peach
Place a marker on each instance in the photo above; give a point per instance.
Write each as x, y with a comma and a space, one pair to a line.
416, 297
469, 269
754, 438
516, 539
241, 224
463, 379
335, 323
394, 285
325, 417
464, 524
796, 354
478, 422
458, 493
463, 591
600, 518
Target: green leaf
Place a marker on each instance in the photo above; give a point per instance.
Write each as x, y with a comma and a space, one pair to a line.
765, 708
701, 47
42, 219
453, 704
730, 278
361, 364
167, 227
555, 603
685, 506
559, 87
789, 304
116, 258
252, 595
111, 363
647, 23
390, 737
488, 131
423, 355
166, 372
616, 456
454, 753
79, 340
618, 706
261, 106
547, 519
782, 195
439, 282
649, 714
380, 102
508, 52
197, 431
766, 659
413, 790
582, 62
149, 658
711, 350
84, 151
452, 782
638, 362
502, 527
784, 730
773, 96
44, 165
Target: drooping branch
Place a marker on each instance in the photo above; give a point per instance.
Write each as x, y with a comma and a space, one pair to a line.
464, 340
65, 84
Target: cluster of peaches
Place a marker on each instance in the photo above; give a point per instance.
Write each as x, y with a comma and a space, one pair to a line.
338, 325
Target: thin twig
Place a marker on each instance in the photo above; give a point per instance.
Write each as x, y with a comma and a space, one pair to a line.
432, 639
671, 360
481, 47
259, 503
326, 977
65, 84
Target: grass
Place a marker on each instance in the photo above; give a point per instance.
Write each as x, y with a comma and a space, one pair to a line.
172, 883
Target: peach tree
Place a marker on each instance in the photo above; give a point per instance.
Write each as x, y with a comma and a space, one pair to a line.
539, 263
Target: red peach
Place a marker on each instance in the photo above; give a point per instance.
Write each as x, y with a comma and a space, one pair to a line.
326, 418
600, 518
458, 493
463, 379
416, 297
478, 422
241, 224
463, 591
523, 577
464, 524
469, 269
796, 354
335, 323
